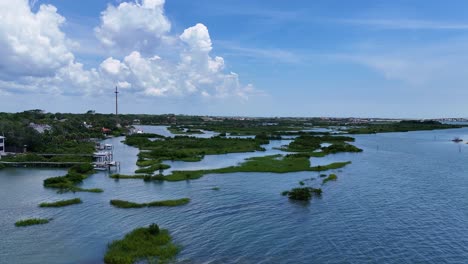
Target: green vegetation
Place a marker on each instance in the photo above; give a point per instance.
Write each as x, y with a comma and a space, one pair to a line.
61, 203
331, 177
32, 221
273, 163
402, 126
181, 131
190, 148
332, 166
153, 153
153, 168
302, 193
313, 145
126, 204
147, 163
147, 243
75, 176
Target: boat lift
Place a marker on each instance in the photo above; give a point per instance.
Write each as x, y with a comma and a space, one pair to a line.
104, 159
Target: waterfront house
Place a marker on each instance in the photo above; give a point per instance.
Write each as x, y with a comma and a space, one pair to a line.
2, 146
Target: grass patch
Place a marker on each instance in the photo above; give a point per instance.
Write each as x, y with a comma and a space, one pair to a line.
145, 243
61, 203
273, 163
302, 193
310, 143
32, 221
153, 168
127, 204
402, 126
332, 166
189, 149
75, 176
331, 177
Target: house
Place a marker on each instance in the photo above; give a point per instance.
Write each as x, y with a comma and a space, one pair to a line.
2, 146
106, 130
40, 128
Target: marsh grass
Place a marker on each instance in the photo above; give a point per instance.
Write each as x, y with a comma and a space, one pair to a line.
32, 221
127, 204
142, 244
273, 163
332, 166
61, 203
302, 193
75, 176
331, 177
153, 168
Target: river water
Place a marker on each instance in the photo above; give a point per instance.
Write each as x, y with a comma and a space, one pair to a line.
403, 200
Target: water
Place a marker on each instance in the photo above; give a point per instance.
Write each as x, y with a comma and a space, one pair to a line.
403, 200
163, 131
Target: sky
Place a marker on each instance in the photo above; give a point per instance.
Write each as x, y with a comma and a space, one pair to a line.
363, 58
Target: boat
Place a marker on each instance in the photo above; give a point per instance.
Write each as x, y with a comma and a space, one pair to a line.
457, 140
104, 160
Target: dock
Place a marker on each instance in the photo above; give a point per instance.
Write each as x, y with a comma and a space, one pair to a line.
40, 164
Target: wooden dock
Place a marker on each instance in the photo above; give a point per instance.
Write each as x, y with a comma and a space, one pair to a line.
40, 164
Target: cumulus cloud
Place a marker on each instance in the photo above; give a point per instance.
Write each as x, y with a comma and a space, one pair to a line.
133, 25
197, 38
189, 69
39, 60
31, 44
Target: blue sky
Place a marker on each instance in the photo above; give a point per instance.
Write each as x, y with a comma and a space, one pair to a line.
255, 58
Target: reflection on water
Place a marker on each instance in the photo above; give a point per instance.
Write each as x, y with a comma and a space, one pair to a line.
403, 200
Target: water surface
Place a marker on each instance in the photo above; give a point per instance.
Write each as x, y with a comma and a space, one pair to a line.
403, 200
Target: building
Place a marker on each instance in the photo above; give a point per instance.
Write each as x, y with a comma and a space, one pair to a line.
2, 145
40, 128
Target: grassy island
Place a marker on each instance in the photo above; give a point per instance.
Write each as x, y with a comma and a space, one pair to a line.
312, 145
127, 204
182, 131
273, 163
147, 243
75, 176
402, 126
331, 166
331, 177
302, 193
32, 221
61, 203
184, 148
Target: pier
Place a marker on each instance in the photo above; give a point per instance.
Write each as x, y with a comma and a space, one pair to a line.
40, 164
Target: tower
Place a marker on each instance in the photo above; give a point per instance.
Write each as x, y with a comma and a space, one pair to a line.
116, 101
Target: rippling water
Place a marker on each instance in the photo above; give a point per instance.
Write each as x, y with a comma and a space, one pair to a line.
403, 200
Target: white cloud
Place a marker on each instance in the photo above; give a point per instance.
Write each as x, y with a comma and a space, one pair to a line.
31, 44
112, 66
197, 38
133, 25
39, 59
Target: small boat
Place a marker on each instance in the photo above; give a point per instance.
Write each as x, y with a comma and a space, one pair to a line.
457, 139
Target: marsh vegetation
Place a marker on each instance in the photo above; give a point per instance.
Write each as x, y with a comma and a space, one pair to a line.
61, 203
32, 221
75, 176
127, 204
146, 243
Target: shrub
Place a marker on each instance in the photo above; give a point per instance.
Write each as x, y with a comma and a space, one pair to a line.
153, 229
